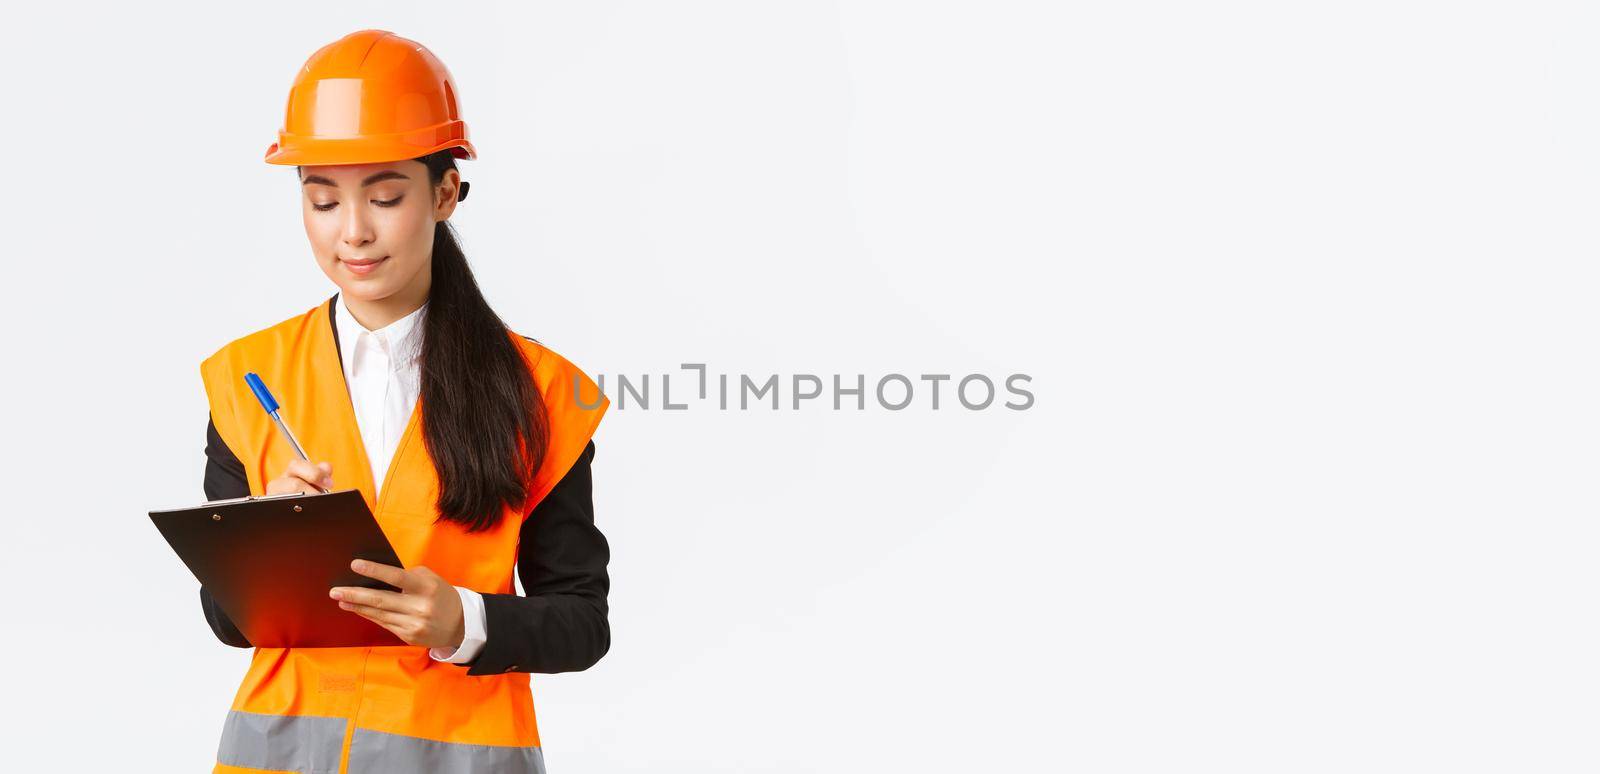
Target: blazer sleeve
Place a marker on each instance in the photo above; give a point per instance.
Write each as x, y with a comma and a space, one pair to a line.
225, 478
561, 624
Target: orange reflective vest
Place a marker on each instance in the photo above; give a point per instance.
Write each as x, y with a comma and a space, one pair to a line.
381, 709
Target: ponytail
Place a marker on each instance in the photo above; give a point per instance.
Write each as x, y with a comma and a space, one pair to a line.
483, 419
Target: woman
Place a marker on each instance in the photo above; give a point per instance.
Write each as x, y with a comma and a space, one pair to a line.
471, 444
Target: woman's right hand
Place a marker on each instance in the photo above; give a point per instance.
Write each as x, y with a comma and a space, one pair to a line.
302, 476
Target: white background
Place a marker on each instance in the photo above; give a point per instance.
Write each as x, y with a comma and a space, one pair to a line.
1307, 292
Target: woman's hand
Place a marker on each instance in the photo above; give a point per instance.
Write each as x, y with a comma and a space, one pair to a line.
426, 611
302, 476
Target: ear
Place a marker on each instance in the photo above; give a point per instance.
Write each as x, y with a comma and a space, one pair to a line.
446, 194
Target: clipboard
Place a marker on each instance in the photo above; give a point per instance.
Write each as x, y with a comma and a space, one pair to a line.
269, 561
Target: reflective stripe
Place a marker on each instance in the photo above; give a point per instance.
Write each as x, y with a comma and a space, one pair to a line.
375, 752
303, 743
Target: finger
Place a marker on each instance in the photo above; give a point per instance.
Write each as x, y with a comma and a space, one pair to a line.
289, 485
388, 573
399, 626
381, 617
302, 469
319, 474
297, 484
385, 600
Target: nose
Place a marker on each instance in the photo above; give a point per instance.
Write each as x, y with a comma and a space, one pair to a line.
357, 229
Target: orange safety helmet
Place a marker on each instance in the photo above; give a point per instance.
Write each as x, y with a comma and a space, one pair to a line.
370, 97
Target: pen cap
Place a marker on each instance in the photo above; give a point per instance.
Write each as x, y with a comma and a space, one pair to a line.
262, 393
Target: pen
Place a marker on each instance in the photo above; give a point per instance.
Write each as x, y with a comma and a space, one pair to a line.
270, 404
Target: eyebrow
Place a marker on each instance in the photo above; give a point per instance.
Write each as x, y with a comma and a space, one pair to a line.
379, 177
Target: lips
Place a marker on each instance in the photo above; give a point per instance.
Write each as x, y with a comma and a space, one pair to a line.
362, 266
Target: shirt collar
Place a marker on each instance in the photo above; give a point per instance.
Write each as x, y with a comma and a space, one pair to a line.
403, 335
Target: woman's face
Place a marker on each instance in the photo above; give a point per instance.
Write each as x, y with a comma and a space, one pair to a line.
371, 226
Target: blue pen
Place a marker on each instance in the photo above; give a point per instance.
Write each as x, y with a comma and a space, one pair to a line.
270, 404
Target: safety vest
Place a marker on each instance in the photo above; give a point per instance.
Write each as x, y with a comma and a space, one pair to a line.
381, 709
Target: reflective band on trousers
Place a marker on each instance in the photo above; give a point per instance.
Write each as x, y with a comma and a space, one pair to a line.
311, 745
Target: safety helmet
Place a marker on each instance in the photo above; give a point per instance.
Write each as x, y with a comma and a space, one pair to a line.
370, 97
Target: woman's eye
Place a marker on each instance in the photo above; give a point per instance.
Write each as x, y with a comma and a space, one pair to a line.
388, 202
324, 207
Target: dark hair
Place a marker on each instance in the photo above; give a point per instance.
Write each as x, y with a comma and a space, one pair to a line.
483, 418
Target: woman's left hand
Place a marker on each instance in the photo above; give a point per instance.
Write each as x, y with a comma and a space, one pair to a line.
426, 611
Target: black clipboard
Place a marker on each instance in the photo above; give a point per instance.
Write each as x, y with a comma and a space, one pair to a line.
269, 561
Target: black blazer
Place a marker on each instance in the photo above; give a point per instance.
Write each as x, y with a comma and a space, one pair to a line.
560, 626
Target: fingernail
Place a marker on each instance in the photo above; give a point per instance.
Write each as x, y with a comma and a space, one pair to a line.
358, 565
335, 594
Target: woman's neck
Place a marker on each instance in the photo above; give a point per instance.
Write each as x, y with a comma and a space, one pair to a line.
377, 314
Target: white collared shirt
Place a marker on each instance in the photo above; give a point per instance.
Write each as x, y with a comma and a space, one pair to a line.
382, 371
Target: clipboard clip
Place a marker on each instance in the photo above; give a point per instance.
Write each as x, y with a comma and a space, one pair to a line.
257, 497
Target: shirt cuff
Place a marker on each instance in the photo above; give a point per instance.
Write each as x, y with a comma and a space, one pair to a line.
474, 622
